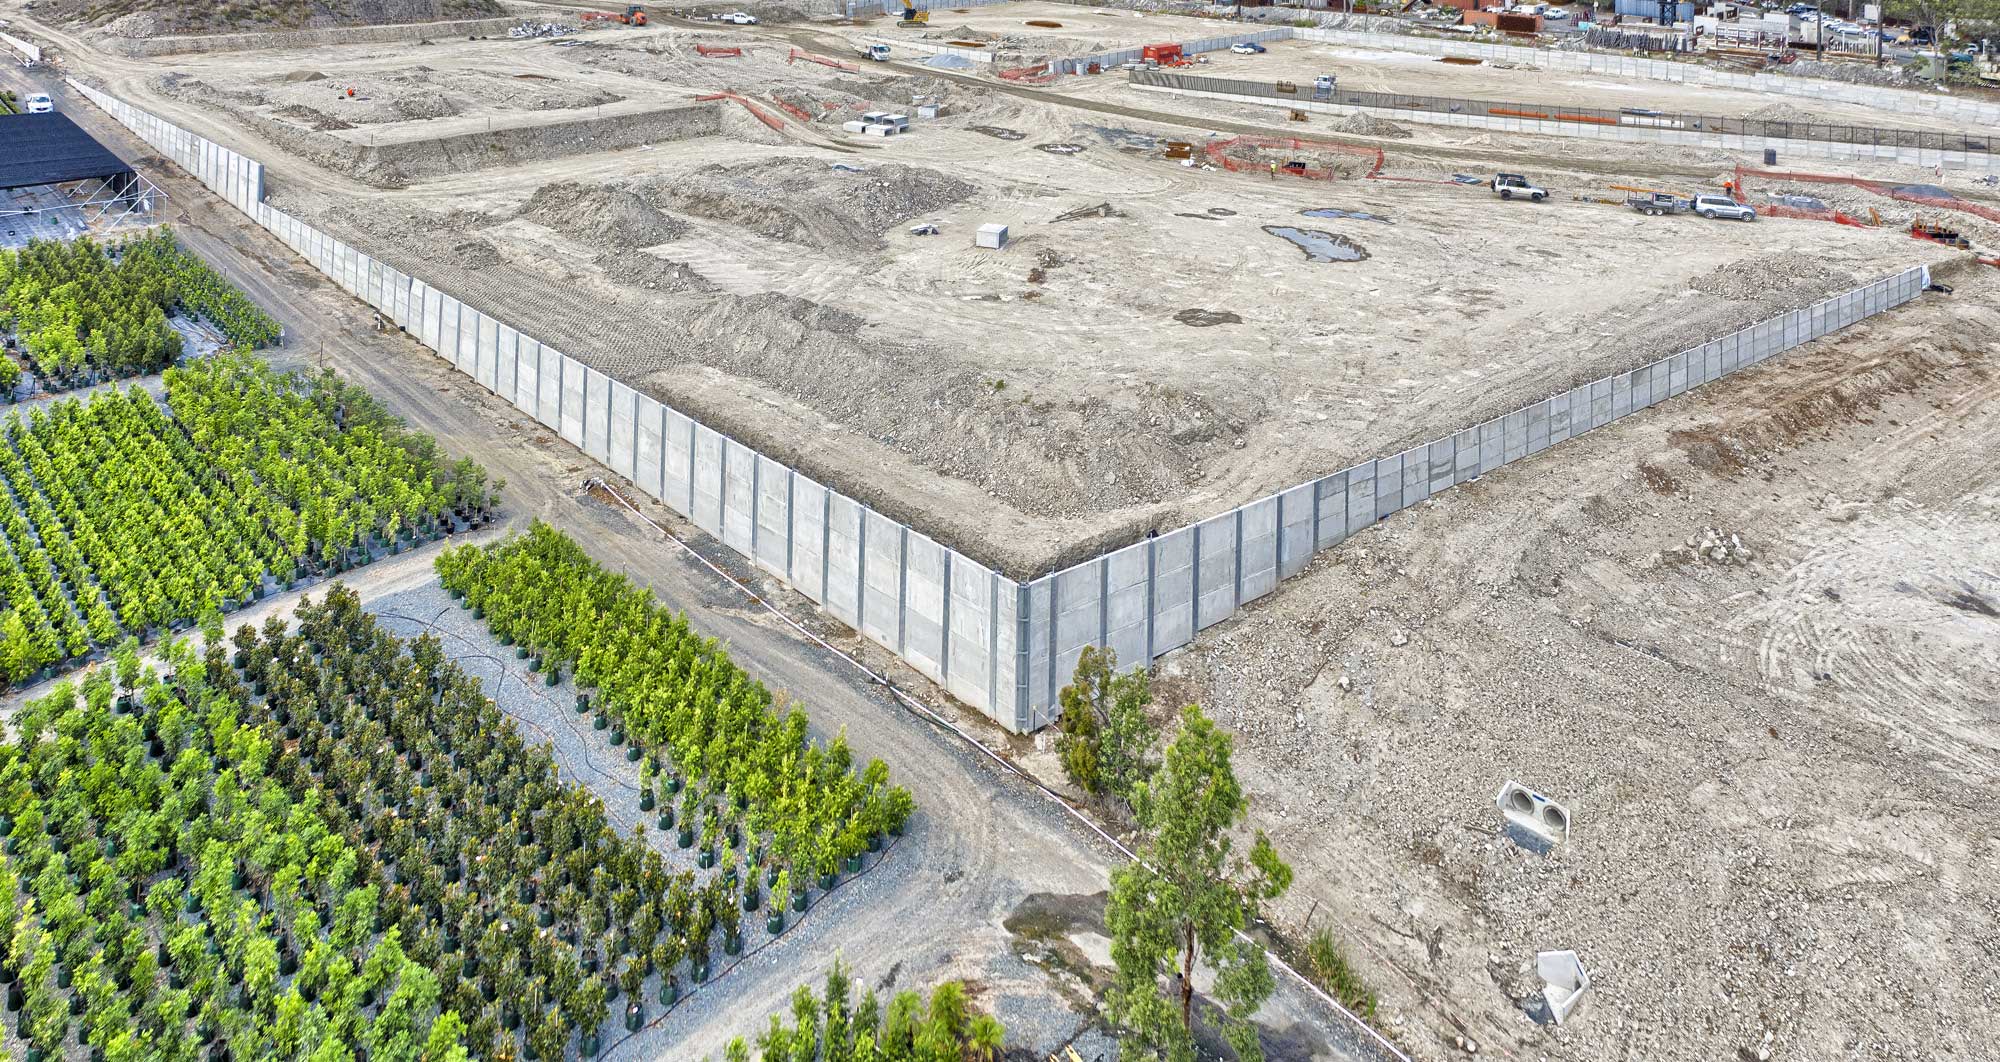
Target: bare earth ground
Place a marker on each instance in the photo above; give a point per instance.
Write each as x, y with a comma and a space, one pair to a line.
1069, 397
1782, 770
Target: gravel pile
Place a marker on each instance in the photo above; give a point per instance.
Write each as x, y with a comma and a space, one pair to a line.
1361, 123
600, 215
1781, 112
1779, 281
804, 201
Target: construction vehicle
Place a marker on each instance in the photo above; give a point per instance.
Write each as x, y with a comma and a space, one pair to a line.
1509, 185
914, 17
1925, 230
877, 52
635, 15
1655, 204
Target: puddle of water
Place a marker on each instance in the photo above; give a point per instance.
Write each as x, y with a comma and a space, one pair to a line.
1222, 212
1060, 149
1000, 133
1320, 246
1124, 139
1357, 215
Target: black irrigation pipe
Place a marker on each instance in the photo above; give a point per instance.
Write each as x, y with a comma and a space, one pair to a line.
583, 736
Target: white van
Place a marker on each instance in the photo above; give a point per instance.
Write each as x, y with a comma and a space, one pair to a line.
39, 103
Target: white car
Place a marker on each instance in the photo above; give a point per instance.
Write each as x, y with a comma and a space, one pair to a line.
39, 103
1555, 14
1246, 48
740, 18
1721, 206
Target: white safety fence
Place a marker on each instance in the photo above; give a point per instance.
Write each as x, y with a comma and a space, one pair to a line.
1001, 646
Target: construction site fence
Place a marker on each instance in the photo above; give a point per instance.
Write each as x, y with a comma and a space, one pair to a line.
1647, 121
1002, 646
1157, 595
1900, 101
1108, 60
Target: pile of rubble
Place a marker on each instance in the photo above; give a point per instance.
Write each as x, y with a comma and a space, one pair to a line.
1716, 546
530, 30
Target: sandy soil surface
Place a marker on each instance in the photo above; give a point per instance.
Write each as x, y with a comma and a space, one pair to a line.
1781, 754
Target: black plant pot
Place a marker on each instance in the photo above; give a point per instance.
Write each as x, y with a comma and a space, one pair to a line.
635, 1015
645, 799
666, 820
774, 923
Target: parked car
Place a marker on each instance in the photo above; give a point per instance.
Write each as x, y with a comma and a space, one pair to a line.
740, 18
1721, 206
1247, 48
39, 103
1555, 14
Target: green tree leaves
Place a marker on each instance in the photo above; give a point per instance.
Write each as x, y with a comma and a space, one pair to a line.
1183, 903
1106, 740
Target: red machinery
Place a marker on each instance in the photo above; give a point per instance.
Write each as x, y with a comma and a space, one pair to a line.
1163, 54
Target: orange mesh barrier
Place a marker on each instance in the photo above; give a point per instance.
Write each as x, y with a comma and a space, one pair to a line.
1217, 151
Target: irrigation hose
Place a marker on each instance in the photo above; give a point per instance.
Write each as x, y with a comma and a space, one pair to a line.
912, 704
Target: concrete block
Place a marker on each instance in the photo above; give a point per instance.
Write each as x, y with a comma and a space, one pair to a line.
1542, 819
624, 430
774, 517
708, 462
882, 585
1564, 982
649, 464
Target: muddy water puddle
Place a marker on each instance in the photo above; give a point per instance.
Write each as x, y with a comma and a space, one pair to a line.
1355, 215
1320, 246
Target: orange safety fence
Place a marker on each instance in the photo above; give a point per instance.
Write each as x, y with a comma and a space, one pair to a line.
1039, 74
1897, 192
755, 111
1217, 151
797, 112
715, 52
822, 60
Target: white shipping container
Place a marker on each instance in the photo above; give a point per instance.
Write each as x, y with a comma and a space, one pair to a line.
993, 237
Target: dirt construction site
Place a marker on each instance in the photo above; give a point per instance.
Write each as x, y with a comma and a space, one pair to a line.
1750, 638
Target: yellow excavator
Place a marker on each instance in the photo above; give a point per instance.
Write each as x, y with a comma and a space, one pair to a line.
914, 17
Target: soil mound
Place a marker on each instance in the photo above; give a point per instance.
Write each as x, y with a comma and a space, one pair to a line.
156, 18
807, 202
1361, 123
601, 216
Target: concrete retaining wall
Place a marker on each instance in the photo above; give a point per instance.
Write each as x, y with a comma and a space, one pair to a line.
998, 645
1966, 161
927, 48
1107, 60
145, 47
30, 53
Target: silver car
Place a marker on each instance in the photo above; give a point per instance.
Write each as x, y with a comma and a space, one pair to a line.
1721, 206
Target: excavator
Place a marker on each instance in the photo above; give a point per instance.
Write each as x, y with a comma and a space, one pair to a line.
914, 17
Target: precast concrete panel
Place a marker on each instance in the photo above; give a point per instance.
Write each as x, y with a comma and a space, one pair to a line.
705, 473
1295, 529
486, 356
1732, 352
1442, 457
574, 396
1079, 608
549, 383
1360, 496
969, 647
1330, 500
1173, 590
844, 528
1036, 632
1010, 706
1492, 446
449, 321
528, 377
1215, 572
924, 608
1538, 427
1416, 475
1559, 422
1465, 460
649, 464
1126, 590
430, 324
1258, 552
597, 415
1388, 485
623, 439
681, 433
774, 517
1514, 435
1600, 403
882, 582
1677, 374
809, 532
739, 497
507, 368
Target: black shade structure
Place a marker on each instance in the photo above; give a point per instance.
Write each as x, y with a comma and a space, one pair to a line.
51, 149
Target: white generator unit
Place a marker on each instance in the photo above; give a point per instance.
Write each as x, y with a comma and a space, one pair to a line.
991, 237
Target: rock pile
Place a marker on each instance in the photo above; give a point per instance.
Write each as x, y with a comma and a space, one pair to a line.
1715, 546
